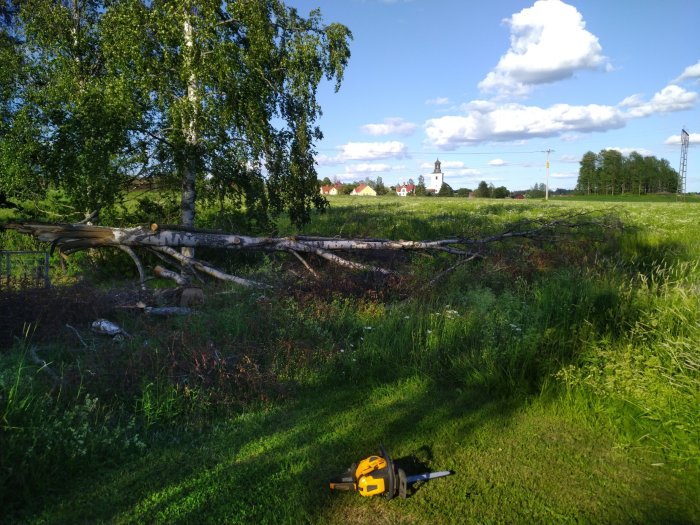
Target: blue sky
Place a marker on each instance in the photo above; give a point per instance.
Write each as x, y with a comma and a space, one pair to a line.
487, 86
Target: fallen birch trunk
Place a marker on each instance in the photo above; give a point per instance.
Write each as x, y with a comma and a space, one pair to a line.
164, 241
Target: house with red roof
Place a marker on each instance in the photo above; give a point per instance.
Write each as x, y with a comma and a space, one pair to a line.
335, 189
364, 190
405, 189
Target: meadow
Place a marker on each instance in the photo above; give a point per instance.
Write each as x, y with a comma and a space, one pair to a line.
558, 379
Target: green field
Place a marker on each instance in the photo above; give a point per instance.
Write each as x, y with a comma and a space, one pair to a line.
558, 379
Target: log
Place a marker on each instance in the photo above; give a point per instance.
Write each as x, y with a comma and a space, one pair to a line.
166, 240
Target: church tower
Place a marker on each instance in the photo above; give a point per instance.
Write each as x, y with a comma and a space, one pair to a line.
434, 180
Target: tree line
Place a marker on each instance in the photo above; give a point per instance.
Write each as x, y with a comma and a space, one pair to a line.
612, 173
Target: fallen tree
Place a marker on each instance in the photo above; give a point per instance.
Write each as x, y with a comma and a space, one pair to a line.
164, 241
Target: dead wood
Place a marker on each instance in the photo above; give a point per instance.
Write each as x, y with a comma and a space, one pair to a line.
166, 241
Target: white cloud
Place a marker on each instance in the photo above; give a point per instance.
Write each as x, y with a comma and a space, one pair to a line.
439, 101
510, 122
669, 99
675, 140
548, 42
689, 73
368, 168
325, 160
563, 175
371, 151
487, 121
497, 162
390, 126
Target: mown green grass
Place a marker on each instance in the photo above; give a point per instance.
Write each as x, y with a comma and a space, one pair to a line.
511, 463
558, 381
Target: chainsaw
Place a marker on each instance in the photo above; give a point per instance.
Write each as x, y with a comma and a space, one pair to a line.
378, 474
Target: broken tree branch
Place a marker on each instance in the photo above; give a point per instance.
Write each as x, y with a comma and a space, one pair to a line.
306, 265
205, 268
164, 273
137, 262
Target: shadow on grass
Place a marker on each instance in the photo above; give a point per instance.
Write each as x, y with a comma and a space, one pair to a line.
273, 466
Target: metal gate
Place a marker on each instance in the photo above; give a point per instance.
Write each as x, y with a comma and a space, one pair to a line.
24, 269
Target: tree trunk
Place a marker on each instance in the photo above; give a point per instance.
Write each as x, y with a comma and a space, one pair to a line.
189, 165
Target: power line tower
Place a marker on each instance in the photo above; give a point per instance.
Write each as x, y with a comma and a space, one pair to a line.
685, 140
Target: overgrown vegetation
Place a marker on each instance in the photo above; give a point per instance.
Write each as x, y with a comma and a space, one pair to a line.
560, 381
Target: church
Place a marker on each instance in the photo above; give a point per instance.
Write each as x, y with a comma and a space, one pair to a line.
433, 181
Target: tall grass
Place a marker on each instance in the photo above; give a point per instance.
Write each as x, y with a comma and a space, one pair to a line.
45, 437
647, 383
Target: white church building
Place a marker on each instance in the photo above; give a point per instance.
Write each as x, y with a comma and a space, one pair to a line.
434, 180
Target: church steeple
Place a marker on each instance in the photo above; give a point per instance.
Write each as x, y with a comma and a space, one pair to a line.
437, 166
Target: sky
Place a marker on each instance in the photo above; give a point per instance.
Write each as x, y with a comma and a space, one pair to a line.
488, 86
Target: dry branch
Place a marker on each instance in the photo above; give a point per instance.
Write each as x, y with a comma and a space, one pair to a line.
164, 273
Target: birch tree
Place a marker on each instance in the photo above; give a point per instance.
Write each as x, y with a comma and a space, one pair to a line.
218, 95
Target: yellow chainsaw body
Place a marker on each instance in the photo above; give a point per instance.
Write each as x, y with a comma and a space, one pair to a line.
371, 476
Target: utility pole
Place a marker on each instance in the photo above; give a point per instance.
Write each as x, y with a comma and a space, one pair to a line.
546, 188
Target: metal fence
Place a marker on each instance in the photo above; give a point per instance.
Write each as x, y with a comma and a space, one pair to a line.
24, 269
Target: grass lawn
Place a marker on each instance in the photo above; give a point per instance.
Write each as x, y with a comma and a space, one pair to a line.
514, 461
557, 379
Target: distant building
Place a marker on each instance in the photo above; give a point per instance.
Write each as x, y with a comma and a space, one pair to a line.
335, 189
364, 190
405, 189
434, 180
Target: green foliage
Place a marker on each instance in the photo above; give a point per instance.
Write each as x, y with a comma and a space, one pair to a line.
97, 95
445, 191
483, 190
611, 173
501, 192
421, 190
538, 191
